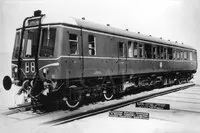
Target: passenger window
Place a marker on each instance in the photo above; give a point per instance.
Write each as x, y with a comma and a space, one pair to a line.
130, 49
181, 55
170, 56
190, 56
161, 52
178, 55
121, 49
141, 51
154, 53
185, 55
165, 53
174, 54
135, 51
147, 51
92, 45
73, 44
158, 52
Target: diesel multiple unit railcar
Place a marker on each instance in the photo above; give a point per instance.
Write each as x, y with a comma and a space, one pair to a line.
71, 60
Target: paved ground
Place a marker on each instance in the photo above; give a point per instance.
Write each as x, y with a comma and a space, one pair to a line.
183, 117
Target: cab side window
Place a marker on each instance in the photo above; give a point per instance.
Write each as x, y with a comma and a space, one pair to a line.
73, 44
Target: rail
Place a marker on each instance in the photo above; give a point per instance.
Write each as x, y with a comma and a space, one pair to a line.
21, 108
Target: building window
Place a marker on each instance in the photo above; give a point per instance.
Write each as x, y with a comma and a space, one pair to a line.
135, 50
122, 49
73, 44
130, 49
91, 45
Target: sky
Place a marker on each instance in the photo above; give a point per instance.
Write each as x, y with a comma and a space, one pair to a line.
177, 20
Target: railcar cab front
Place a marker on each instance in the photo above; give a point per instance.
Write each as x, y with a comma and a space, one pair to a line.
33, 54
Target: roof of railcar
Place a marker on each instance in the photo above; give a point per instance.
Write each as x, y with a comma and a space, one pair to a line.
85, 24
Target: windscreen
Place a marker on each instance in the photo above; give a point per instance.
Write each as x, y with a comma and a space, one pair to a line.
16, 45
48, 42
29, 43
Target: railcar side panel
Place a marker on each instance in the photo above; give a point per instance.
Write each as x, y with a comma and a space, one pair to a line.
108, 61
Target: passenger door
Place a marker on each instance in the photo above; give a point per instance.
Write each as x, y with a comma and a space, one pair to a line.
122, 58
74, 61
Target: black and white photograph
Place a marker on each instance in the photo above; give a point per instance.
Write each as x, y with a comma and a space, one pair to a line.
99, 66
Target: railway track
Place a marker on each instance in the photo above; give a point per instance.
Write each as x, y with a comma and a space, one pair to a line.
88, 110
86, 113
21, 108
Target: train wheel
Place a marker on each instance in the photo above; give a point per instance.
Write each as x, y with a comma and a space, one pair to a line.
72, 104
187, 80
179, 81
74, 99
108, 94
